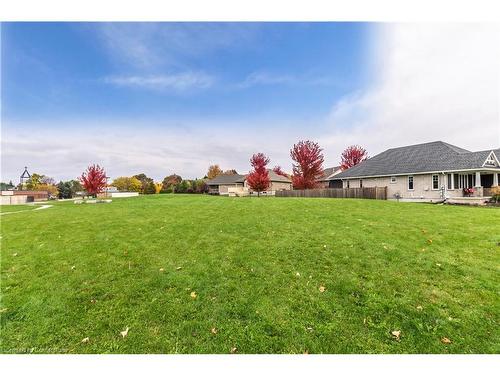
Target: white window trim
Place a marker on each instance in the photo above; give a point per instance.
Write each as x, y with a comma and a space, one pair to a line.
408, 183
432, 182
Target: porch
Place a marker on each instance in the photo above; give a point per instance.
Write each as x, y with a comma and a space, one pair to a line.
476, 184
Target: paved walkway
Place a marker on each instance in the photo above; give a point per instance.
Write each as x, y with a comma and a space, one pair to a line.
42, 207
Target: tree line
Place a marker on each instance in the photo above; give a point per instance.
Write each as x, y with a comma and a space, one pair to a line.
307, 169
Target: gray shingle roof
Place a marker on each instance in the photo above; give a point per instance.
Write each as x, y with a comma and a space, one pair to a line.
223, 179
327, 172
238, 178
421, 158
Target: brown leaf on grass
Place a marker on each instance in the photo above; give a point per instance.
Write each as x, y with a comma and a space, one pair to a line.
93, 300
419, 307
124, 333
429, 241
396, 334
213, 331
445, 340
85, 340
179, 268
322, 288
233, 350
193, 295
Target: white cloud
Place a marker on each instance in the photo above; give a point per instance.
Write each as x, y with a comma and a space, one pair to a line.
262, 78
177, 82
173, 44
432, 82
158, 149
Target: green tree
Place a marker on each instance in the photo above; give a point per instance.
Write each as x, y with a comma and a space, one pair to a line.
170, 182
145, 181
127, 184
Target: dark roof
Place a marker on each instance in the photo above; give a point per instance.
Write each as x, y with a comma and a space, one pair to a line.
274, 177
327, 172
238, 178
223, 179
421, 158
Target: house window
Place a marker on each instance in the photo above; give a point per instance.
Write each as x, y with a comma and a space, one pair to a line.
410, 182
393, 179
348, 184
450, 182
360, 183
456, 182
435, 182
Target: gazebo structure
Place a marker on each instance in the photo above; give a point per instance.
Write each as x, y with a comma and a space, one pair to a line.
24, 178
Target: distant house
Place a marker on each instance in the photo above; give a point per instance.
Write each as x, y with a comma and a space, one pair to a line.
236, 184
8, 197
327, 181
427, 171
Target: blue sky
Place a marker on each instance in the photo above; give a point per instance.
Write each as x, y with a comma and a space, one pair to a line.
66, 70
161, 98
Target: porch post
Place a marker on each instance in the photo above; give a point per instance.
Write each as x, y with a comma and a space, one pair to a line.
478, 187
478, 179
495, 179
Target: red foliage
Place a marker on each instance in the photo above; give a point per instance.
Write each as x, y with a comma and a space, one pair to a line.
308, 157
94, 179
258, 179
277, 169
352, 155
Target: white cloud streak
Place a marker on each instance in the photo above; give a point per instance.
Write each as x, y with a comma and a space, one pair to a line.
176, 82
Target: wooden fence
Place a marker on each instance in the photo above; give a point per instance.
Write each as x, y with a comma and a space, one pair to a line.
364, 193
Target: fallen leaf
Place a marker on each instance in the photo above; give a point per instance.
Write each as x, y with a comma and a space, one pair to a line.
309, 329
385, 247
429, 240
445, 340
322, 288
93, 300
297, 274
423, 249
162, 270
179, 268
85, 340
193, 295
124, 333
14, 255
73, 267
396, 334
419, 307
3, 310
233, 349
324, 246
438, 264
364, 321
213, 331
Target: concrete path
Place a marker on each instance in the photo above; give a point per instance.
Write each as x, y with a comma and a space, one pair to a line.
42, 207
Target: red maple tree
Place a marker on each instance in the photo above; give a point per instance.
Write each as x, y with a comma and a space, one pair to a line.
308, 165
277, 169
351, 156
258, 179
94, 179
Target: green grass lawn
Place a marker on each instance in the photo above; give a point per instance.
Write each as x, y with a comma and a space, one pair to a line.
18, 207
271, 275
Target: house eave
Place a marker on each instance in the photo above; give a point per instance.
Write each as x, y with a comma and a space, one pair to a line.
481, 169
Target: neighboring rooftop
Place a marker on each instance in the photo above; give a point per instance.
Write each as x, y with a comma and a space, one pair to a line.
223, 179
238, 178
425, 157
328, 172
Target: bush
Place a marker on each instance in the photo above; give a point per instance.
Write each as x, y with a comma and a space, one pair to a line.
495, 194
